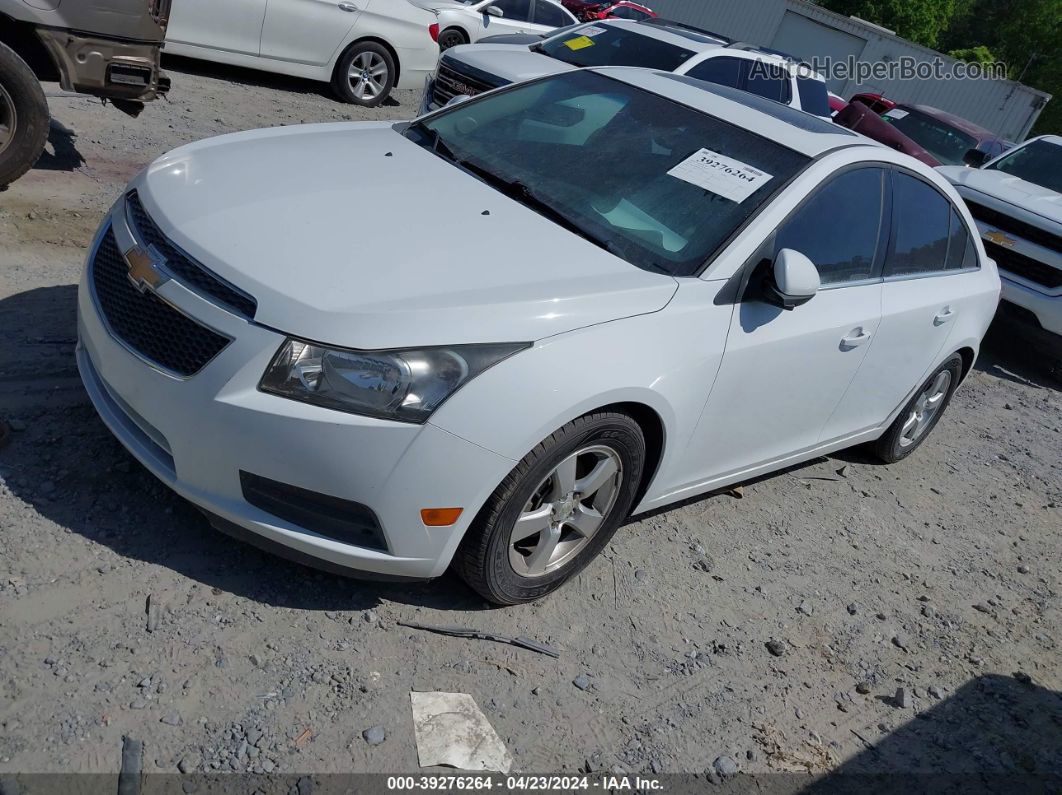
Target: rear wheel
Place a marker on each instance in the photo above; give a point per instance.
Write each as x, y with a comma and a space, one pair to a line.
555, 511
23, 117
365, 74
451, 37
921, 414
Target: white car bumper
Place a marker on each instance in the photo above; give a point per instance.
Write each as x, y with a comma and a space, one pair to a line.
214, 438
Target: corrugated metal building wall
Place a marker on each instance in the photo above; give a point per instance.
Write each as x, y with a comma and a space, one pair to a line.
806, 30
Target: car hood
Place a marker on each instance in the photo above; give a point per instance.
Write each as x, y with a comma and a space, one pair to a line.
512, 63
350, 234
1034, 198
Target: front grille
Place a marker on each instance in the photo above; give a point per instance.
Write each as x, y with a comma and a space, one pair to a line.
449, 83
183, 268
1026, 267
342, 520
1005, 223
146, 323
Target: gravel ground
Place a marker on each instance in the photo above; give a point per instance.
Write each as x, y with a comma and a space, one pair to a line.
835, 617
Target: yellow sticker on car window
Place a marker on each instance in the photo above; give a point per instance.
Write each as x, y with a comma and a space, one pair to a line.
579, 43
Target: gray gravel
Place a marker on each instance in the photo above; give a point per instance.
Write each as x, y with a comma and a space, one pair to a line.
268, 666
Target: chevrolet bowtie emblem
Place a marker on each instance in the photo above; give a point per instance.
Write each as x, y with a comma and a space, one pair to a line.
1000, 239
144, 270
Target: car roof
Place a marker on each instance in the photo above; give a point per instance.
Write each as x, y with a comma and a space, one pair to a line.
802, 132
704, 43
958, 122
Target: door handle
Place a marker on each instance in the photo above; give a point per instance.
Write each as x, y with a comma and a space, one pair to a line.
856, 338
943, 316
348, 7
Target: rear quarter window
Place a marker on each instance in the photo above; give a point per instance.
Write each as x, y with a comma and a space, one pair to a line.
813, 96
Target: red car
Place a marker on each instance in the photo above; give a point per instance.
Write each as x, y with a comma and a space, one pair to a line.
588, 10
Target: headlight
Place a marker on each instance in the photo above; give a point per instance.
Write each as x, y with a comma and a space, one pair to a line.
403, 385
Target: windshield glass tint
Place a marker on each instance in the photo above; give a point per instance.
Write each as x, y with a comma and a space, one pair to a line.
941, 140
614, 46
597, 152
1039, 162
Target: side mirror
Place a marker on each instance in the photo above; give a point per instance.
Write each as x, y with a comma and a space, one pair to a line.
493, 11
793, 280
975, 158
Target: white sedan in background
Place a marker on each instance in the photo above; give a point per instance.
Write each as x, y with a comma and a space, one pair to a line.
364, 48
524, 343
467, 21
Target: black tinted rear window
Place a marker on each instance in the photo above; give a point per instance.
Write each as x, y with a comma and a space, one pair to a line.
813, 96
609, 45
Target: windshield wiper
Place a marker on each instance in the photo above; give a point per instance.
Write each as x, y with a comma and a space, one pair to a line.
438, 145
515, 189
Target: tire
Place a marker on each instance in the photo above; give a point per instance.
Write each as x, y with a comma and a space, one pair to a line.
926, 407
451, 37
507, 572
23, 117
368, 60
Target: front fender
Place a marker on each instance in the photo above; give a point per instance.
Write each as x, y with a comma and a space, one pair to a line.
665, 360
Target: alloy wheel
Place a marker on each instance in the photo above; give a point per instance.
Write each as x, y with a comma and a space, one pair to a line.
8, 119
367, 75
926, 407
565, 511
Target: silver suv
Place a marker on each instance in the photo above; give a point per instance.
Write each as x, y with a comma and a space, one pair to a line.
107, 48
654, 43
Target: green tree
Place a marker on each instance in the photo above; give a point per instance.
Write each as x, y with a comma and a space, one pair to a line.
921, 21
978, 54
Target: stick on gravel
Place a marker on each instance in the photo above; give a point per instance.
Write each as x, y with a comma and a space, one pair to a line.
132, 764
464, 632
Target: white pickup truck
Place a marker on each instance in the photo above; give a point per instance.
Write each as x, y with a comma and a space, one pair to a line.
1016, 199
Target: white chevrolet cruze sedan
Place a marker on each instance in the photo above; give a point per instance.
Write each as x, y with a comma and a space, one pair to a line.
486, 337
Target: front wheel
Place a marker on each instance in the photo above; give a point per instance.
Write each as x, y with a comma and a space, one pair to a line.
555, 511
23, 117
921, 414
365, 74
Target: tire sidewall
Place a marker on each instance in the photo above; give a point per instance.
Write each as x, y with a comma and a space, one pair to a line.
892, 450
341, 84
619, 433
454, 33
32, 117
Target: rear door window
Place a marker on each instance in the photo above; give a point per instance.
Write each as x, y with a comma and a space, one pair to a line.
768, 80
921, 218
813, 96
839, 227
725, 71
546, 13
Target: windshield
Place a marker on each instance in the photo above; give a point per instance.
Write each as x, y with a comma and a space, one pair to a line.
946, 143
611, 45
656, 183
1038, 162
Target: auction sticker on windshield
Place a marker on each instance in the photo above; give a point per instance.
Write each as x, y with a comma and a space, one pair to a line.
593, 30
579, 43
720, 174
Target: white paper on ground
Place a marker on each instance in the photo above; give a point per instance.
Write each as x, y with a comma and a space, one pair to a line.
450, 730
720, 174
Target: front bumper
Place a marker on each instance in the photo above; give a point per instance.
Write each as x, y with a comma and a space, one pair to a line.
109, 68
197, 434
1047, 308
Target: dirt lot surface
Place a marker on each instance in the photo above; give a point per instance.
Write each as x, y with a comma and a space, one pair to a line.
839, 616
